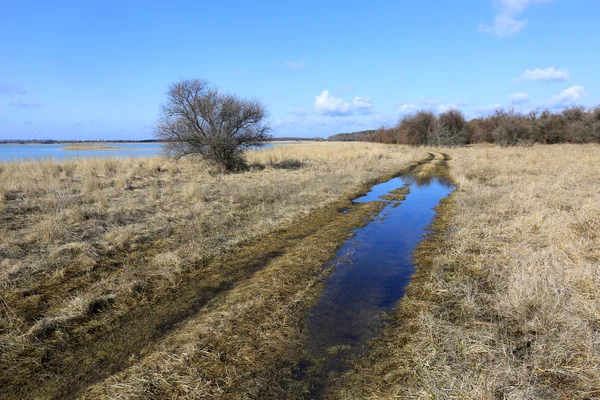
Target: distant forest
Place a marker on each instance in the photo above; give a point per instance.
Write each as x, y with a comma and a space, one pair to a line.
351, 136
504, 127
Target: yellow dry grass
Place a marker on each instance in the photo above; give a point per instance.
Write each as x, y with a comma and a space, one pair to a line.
506, 301
91, 146
84, 241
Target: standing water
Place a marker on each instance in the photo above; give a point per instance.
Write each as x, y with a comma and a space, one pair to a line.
15, 152
372, 272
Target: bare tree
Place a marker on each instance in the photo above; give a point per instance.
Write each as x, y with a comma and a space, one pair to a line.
197, 119
452, 127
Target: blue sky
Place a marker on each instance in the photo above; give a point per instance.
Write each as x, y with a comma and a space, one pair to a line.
100, 69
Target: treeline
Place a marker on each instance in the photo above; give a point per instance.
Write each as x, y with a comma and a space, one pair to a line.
572, 125
351, 136
295, 139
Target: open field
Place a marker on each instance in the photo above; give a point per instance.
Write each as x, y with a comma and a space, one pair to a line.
101, 260
505, 303
147, 278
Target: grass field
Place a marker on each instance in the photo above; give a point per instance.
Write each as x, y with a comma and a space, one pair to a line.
100, 259
505, 303
147, 278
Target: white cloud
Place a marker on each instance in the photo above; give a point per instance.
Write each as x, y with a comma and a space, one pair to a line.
505, 22
550, 74
327, 104
446, 107
567, 97
300, 64
407, 108
504, 26
360, 105
519, 98
430, 104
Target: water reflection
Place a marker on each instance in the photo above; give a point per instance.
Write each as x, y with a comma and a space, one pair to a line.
373, 269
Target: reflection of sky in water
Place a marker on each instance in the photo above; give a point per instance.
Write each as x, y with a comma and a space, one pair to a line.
10, 152
377, 269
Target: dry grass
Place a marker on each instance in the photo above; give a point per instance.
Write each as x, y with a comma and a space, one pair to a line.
83, 242
90, 146
248, 344
505, 303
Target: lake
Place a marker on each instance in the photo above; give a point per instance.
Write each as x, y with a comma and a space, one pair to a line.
12, 152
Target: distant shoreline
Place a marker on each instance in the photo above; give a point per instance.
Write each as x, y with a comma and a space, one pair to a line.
109, 142
91, 142
94, 147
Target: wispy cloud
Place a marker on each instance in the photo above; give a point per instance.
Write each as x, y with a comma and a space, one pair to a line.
519, 98
550, 74
328, 104
431, 104
300, 64
11, 89
505, 22
485, 110
25, 104
567, 97
407, 108
443, 107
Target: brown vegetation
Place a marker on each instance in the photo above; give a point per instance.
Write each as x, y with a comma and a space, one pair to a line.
149, 278
90, 146
203, 121
573, 125
505, 301
101, 258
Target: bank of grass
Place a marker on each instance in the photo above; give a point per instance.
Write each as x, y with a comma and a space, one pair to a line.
505, 302
91, 146
102, 262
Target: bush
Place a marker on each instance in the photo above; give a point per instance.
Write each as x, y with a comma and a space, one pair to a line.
510, 132
453, 128
549, 128
199, 120
505, 127
414, 129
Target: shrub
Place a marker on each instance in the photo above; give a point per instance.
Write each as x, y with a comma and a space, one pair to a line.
505, 127
419, 127
452, 128
510, 132
200, 120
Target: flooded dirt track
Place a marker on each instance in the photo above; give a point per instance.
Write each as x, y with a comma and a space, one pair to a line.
365, 279
371, 273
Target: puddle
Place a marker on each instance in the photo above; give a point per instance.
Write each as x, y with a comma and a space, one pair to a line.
371, 273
